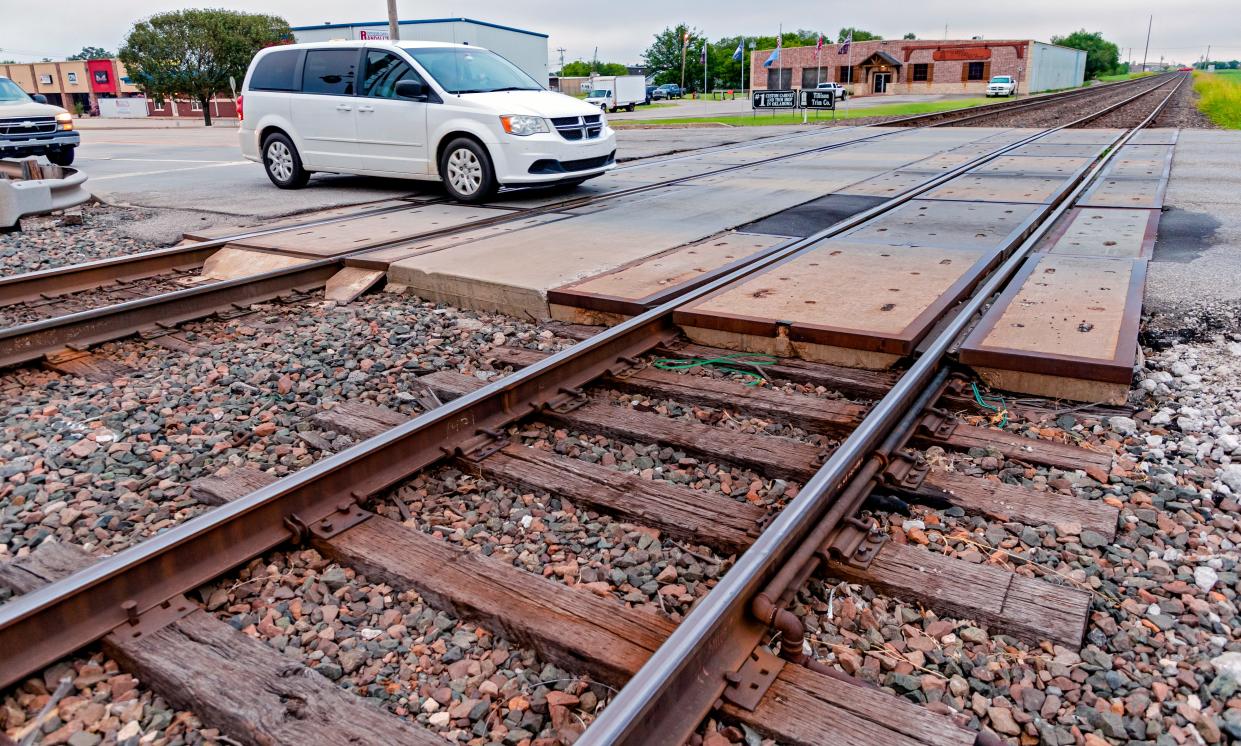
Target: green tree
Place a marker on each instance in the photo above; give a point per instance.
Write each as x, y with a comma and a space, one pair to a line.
91, 53
663, 56
1102, 56
858, 34
194, 52
910, 35
582, 68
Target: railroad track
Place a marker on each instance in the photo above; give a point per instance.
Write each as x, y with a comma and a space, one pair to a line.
672, 675
44, 313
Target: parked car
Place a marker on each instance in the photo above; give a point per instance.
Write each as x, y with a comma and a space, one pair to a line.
416, 110
612, 92
1002, 85
668, 90
32, 126
841, 93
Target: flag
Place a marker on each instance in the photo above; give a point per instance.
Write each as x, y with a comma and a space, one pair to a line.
740, 50
703, 58
844, 48
775, 55
818, 49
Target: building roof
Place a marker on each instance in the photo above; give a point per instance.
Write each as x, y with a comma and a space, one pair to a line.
418, 21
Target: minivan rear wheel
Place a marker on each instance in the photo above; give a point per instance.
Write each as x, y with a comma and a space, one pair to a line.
282, 163
466, 170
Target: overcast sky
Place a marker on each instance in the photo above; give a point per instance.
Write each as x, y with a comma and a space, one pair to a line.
1182, 29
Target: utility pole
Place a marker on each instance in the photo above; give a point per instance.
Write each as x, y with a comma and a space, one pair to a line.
1148, 41
394, 30
1207, 60
594, 64
562, 50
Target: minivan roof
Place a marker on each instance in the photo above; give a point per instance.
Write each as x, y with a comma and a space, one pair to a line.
406, 44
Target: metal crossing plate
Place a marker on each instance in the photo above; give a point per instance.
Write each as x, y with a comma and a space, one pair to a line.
977, 226
999, 188
1103, 231
1141, 162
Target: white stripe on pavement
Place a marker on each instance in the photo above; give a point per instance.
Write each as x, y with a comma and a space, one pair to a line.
167, 171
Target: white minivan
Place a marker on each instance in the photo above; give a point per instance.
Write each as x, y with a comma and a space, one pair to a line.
416, 110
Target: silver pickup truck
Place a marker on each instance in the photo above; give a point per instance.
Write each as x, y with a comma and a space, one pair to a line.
29, 126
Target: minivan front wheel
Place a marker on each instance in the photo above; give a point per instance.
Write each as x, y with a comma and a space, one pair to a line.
283, 164
466, 170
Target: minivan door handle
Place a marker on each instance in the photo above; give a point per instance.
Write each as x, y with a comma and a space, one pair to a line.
364, 109
342, 107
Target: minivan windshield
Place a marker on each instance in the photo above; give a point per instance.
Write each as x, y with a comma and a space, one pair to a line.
11, 93
460, 70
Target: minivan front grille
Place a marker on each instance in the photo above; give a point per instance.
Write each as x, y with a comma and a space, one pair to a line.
588, 127
18, 126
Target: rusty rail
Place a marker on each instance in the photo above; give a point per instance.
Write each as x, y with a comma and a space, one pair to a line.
682, 681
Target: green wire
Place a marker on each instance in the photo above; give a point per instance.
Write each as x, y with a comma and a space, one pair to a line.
1001, 409
727, 364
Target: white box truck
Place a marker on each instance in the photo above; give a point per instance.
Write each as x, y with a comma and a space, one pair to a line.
612, 92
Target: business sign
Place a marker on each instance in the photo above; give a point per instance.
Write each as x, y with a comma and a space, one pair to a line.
775, 100
374, 35
816, 99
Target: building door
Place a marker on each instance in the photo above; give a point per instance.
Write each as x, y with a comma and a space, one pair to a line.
881, 82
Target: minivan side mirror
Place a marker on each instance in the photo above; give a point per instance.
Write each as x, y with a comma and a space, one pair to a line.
39, 98
414, 89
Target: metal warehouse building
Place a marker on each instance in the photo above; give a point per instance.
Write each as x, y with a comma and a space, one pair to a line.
526, 49
900, 66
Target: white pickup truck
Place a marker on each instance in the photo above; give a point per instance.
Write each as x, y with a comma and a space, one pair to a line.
1002, 85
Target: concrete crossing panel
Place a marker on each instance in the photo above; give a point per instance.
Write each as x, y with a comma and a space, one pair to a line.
1067, 326
984, 187
849, 303
977, 226
1103, 231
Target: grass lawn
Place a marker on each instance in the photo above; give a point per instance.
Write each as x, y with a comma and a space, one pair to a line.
762, 118
1219, 97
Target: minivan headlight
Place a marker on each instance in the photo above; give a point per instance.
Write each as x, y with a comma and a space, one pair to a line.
64, 120
521, 125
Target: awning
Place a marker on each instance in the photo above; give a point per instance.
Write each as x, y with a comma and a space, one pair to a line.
883, 59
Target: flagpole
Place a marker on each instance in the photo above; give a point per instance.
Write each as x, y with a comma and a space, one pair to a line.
745, 62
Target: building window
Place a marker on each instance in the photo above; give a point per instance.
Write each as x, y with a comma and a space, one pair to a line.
812, 76
196, 105
779, 78
157, 104
975, 71
846, 74
922, 72
72, 78
45, 80
101, 76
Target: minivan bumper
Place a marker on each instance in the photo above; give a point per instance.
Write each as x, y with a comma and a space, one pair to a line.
529, 160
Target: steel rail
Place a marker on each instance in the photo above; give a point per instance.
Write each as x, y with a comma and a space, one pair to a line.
89, 275
647, 709
34, 340
981, 112
88, 604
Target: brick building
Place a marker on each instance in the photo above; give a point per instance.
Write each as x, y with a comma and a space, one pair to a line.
79, 85
912, 66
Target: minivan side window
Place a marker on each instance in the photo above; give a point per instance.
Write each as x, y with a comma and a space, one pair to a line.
329, 71
383, 71
275, 71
